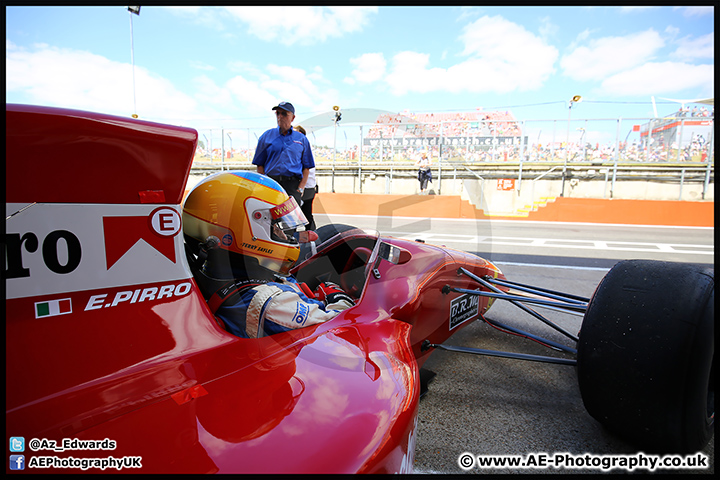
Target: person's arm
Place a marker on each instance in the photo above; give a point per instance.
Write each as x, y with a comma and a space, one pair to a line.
277, 307
261, 169
306, 174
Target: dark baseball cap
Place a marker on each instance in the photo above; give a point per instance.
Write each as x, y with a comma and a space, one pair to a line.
287, 106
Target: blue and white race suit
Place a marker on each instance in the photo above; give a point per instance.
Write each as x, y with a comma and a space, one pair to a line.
253, 308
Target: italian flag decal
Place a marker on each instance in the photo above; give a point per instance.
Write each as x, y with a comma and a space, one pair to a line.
53, 307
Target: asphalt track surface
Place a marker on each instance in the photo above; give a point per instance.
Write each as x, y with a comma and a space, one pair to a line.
504, 407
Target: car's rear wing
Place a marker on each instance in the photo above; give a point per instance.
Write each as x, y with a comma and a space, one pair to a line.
97, 285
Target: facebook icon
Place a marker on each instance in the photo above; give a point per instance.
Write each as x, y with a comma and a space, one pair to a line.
17, 462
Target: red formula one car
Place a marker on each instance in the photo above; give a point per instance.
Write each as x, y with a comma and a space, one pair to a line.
115, 362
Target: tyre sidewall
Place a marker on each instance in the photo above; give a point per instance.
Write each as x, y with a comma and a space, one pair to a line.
645, 352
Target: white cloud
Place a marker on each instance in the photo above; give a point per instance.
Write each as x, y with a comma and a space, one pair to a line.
512, 50
410, 73
661, 78
302, 25
502, 57
306, 90
185, 10
209, 93
253, 96
59, 77
610, 55
291, 84
70, 78
672, 32
697, 11
700, 47
51, 76
548, 29
584, 35
198, 65
257, 91
635, 9
244, 68
369, 67
205, 16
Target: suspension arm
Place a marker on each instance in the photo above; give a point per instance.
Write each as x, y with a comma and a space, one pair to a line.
426, 345
516, 298
517, 301
539, 291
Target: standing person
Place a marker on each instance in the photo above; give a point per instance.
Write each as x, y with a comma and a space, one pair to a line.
424, 173
309, 192
284, 154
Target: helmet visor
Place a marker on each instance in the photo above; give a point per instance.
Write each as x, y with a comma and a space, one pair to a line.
287, 215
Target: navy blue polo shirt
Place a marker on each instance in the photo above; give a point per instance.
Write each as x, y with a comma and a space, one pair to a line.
283, 155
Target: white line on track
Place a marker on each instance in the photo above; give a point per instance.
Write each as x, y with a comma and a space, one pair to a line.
439, 238
483, 220
546, 265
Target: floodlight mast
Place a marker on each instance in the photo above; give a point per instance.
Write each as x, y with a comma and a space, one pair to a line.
574, 99
338, 117
136, 11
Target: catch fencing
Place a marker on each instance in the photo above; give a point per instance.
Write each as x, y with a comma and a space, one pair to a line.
671, 139
677, 149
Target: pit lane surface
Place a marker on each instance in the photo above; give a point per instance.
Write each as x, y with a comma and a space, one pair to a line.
576, 244
497, 406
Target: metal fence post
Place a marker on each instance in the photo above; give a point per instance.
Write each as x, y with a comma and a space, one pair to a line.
647, 141
222, 149
709, 159
439, 192
552, 144
360, 159
617, 140
614, 175
522, 157
682, 180
680, 138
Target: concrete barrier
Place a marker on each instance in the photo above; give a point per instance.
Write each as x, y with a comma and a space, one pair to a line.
507, 205
562, 209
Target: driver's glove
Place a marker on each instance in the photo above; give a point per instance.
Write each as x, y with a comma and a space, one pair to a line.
331, 293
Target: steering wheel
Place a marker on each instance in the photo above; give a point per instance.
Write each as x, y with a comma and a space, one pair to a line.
352, 277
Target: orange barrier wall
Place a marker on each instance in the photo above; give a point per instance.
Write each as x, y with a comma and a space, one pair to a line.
563, 209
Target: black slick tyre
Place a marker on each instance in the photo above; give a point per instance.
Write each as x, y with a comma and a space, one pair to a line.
646, 353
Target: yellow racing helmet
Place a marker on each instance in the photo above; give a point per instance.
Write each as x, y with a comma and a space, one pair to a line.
249, 213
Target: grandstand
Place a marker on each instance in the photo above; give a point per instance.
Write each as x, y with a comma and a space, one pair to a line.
670, 129
447, 128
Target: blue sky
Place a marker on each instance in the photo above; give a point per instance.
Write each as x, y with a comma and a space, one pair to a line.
227, 66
